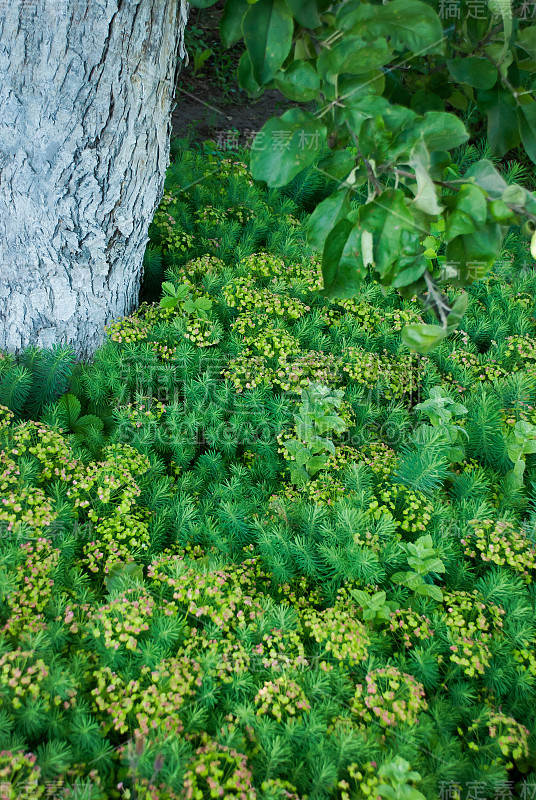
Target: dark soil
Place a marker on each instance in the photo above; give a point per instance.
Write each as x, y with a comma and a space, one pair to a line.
210, 104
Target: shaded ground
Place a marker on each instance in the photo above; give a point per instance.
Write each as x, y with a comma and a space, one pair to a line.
210, 105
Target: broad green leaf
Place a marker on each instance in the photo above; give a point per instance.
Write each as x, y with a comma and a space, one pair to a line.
503, 126
325, 216
503, 8
305, 13
316, 463
533, 246
343, 269
500, 212
267, 27
473, 70
474, 254
245, 77
337, 165
514, 195
169, 288
386, 219
442, 131
352, 55
410, 24
331, 256
425, 195
82, 423
298, 82
71, 405
453, 320
120, 570
422, 338
231, 21
486, 176
410, 275
527, 127
168, 302
469, 212
285, 145
526, 39
363, 108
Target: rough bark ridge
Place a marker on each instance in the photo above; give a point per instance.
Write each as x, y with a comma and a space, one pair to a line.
85, 116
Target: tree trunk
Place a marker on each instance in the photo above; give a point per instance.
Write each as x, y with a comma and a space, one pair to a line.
86, 90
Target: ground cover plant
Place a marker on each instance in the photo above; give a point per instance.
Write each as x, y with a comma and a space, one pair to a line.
259, 549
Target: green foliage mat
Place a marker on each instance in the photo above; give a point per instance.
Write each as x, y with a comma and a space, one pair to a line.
260, 550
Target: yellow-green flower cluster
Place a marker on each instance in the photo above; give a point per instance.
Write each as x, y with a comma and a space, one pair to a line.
282, 698
218, 771
22, 680
500, 543
122, 621
34, 586
396, 378
150, 703
20, 504
244, 295
390, 697
342, 637
48, 446
111, 479
364, 782
202, 332
20, 776
470, 630
409, 626
263, 265
379, 457
511, 737
119, 537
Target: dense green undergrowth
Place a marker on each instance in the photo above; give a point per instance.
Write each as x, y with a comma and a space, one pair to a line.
260, 550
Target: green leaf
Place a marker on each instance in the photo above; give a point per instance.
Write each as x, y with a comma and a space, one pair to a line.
526, 113
231, 21
469, 212
442, 131
203, 304
425, 196
316, 463
298, 82
503, 126
245, 77
453, 320
325, 216
169, 288
168, 302
503, 8
305, 13
352, 55
71, 405
526, 39
474, 71
267, 27
337, 165
121, 570
386, 219
343, 269
422, 338
486, 176
410, 24
285, 145
474, 254
88, 420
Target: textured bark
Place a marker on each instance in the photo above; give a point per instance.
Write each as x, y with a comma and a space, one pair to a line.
86, 88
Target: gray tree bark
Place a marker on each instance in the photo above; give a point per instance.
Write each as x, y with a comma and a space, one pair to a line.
86, 88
